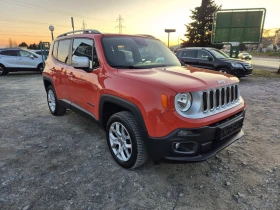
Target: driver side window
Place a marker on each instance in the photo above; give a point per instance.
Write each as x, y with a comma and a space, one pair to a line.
24, 53
203, 55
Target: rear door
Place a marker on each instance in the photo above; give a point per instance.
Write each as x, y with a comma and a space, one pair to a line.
9, 58
205, 60
188, 57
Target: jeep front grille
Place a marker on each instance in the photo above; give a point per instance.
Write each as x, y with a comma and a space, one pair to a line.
220, 97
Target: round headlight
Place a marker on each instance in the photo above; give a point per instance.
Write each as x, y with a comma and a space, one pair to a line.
183, 101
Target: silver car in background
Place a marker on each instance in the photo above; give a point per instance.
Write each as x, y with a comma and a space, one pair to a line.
16, 59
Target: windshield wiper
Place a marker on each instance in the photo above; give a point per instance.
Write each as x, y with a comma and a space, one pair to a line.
125, 67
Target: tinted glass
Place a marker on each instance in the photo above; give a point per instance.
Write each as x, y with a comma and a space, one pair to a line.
24, 53
203, 55
219, 54
189, 54
9, 52
85, 48
63, 50
55, 49
137, 52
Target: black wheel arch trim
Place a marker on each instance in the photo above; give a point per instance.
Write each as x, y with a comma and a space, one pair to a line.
46, 78
133, 108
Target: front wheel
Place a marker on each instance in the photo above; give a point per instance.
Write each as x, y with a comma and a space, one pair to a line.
55, 108
125, 141
223, 70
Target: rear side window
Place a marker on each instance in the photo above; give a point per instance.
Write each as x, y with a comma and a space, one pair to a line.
189, 54
9, 52
85, 48
63, 50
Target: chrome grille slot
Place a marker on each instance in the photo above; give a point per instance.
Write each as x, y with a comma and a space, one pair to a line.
220, 98
204, 101
211, 96
227, 95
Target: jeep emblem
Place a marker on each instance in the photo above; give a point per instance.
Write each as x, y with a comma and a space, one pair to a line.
221, 81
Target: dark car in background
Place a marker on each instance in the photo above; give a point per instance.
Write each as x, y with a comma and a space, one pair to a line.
214, 59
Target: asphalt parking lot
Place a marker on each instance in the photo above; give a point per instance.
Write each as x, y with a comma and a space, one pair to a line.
49, 162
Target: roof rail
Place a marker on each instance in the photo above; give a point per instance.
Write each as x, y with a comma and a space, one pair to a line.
147, 35
86, 31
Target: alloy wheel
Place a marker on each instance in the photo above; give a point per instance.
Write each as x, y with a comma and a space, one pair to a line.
120, 141
51, 100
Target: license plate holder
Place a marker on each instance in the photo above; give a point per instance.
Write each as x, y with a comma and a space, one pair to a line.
229, 129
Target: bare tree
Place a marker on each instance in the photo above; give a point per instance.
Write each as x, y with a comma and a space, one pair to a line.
10, 42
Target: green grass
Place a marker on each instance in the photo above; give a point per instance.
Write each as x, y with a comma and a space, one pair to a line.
265, 54
265, 73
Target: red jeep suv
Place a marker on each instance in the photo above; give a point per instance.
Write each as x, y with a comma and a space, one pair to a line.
148, 104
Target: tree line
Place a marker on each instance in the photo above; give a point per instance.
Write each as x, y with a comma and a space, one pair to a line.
33, 46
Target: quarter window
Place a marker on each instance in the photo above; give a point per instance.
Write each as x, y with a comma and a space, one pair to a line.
189, 54
63, 50
86, 48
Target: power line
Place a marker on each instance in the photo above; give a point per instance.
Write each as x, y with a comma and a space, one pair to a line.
120, 26
24, 4
22, 35
29, 22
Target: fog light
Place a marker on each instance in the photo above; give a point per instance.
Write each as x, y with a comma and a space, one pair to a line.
177, 145
184, 133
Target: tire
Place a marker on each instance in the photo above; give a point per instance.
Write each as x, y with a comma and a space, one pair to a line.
55, 108
3, 70
223, 70
134, 154
40, 68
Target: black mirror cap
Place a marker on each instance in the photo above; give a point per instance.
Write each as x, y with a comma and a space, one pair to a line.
210, 59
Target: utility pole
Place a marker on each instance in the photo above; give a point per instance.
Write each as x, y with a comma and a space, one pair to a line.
84, 25
120, 26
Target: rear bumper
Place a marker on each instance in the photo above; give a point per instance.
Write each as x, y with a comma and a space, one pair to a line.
202, 144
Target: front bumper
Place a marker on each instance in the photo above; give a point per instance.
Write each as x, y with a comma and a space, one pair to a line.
242, 72
202, 144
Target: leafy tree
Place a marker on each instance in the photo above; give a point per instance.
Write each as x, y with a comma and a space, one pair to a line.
23, 44
199, 31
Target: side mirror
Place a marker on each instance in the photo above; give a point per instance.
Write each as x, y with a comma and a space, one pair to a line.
80, 62
31, 56
210, 58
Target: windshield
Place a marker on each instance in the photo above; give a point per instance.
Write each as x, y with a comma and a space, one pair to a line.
219, 54
137, 53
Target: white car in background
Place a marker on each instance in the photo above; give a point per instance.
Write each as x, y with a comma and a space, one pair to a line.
40, 52
16, 59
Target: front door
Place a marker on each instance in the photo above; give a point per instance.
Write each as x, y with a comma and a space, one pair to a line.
205, 60
27, 60
83, 81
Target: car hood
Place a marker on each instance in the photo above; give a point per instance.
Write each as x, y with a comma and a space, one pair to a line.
181, 79
232, 60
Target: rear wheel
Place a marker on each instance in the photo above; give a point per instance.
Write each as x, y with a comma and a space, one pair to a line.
125, 141
40, 68
3, 70
55, 108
